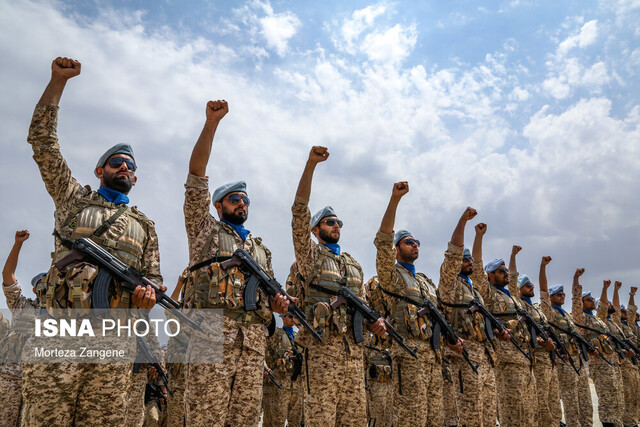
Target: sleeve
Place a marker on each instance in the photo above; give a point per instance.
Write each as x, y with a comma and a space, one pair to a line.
545, 304
13, 294
617, 317
576, 303
55, 172
449, 271
481, 282
385, 260
196, 204
301, 228
602, 310
151, 256
513, 286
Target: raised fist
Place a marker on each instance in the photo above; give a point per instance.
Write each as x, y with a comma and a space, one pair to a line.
400, 189
516, 249
22, 235
617, 285
65, 68
546, 260
481, 228
216, 110
634, 289
318, 154
469, 213
606, 283
579, 272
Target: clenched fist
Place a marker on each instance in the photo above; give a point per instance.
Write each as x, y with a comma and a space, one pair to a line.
617, 285
579, 272
400, 189
481, 228
606, 284
546, 260
469, 213
22, 235
515, 249
318, 154
216, 110
65, 68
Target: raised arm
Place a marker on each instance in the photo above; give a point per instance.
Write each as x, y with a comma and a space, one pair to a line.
616, 294
576, 297
545, 301
602, 310
457, 238
62, 69
388, 220
316, 155
479, 276
385, 251
9, 270
513, 271
481, 229
632, 300
215, 111
453, 258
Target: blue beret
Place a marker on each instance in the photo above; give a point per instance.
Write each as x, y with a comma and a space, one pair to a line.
322, 213
493, 265
466, 252
116, 149
225, 189
401, 234
622, 307
584, 294
37, 279
523, 280
555, 289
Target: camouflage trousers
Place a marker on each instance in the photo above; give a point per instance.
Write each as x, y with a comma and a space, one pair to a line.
515, 385
335, 393
379, 402
417, 384
575, 394
65, 394
475, 394
549, 412
135, 399
175, 405
449, 403
153, 415
282, 405
10, 399
609, 388
631, 382
230, 392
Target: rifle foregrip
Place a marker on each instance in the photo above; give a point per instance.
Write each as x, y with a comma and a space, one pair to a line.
358, 333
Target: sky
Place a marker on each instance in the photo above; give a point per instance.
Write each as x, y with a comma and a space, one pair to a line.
527, 112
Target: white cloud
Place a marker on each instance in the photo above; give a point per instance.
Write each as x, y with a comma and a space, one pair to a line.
390, 46
359, 21
277, 29
587, 35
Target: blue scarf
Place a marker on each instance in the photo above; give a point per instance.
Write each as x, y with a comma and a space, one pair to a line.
559, 308
527, 300
589, 312
242, 232
624, 321
333, 247
502, 289
113, 196
466, 279
289, 331
410, 267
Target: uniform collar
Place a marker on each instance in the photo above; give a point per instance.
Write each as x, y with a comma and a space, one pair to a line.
333, 247
502, 289
242, 232
113, 196
410, 267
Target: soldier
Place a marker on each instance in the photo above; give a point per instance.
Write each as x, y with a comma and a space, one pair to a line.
284, 356
616, 321
176, 369
630, 320
606, 378
515, 382
229, 392
23, 312
104, 217
476, 394
549, 410
335, 392
574, 387
417, 398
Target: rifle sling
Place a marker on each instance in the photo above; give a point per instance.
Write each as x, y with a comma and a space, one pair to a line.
207, 262
402, 297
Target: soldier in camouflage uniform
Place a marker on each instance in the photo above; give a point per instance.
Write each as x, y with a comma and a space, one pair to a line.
549, 411
124, 231
23, 311
417, 398
476, 394
229, 392
606, 378
630, 320
574, 387
335, 392
284, 357
616, 321
515, 383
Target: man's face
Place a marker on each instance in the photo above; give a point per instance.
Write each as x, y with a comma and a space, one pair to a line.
288, 320
328, 230
234, 207
467, 265
588, 303
527, 291
500, 276
557, 298
623, 314
118, 173
408, 250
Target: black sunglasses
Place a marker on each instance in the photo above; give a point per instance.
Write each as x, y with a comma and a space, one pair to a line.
467, 258
234, 199
331, 222
116, 162
411, 242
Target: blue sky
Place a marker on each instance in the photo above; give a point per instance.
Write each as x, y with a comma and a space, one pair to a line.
526, 111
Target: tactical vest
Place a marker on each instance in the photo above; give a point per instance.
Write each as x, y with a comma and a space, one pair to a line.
565, 323
92, 217
469, 326
504, 308
212, 287
327, 273
279, 359
539, 318
379, 366
628, 332
599, 340
404, 314
12, 343
615, 329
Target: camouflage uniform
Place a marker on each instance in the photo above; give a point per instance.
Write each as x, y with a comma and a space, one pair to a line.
549, 411
82, 393
574, 388
606, 378
177, 346
135, 399
284, 404
23, 310
476, 394
635, 329
629, 371
417, 398
448, 394
515, 383
334, 370
378, 371
230, 392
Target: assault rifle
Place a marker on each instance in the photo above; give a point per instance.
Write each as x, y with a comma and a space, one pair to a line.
535, 330
257, 277
621, 346
151, 391
585, 346
269, 375
110, 267
491, 322
359, 311
564, 352
145, 355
